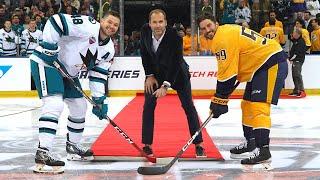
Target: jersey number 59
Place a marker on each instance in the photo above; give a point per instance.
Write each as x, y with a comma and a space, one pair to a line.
253, 35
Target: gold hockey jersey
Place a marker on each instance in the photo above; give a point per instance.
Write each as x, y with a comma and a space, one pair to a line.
274, 33
241, 52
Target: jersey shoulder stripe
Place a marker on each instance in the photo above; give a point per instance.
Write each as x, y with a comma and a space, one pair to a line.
55, 26
64, 24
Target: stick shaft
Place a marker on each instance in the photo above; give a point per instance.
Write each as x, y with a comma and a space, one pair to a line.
120, 131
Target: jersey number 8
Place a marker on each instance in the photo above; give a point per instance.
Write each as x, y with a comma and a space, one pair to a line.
76, 19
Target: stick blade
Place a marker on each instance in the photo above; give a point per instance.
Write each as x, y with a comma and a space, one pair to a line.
152, 170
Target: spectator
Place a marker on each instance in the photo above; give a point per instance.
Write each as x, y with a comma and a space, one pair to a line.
63, 7
282, 8
126, 43
228, 7
7, 40
49, 13
16, 26
134, 44
35, 11
206, 8
297, 56
24, 7
75, 4
3, 16
39, 22
273, 16
307, 19
298, 6
313, 7
43, 6
315, 37
26, 22
179, 28
242, 13
18, 12
69, 10
187, 42
86, 4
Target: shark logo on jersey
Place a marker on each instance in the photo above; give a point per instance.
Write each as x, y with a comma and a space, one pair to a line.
4, 70
90, 59
9, 39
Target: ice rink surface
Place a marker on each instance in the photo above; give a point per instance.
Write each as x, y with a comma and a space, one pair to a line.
295, 143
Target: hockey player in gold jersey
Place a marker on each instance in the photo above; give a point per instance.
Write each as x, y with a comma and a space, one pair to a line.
273, 32
246, 56
315, 37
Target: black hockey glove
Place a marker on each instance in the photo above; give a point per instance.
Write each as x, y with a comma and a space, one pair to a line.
218, 105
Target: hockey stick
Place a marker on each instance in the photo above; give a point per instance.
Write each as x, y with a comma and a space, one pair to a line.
120, 131
156, 170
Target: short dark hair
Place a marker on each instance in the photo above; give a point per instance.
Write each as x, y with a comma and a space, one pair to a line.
112, 13
308, 12
315, 20
204, 16
301, 21
157, 11
272, 11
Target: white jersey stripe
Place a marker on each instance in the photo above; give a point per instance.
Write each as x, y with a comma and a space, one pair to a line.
43, 81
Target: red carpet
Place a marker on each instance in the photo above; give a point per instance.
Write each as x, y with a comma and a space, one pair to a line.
170, 134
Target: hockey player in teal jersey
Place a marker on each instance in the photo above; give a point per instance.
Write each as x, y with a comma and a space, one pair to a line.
75, 42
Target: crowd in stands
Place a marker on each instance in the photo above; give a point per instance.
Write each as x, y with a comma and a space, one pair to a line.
21, 22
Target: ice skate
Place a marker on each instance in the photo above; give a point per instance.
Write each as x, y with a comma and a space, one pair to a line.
75, 152
46, 163
243, 150
260, 160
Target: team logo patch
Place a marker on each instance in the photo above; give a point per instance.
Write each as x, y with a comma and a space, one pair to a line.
92, 40
4, 70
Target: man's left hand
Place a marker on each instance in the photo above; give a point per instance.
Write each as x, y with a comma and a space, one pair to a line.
162, 91
218, 106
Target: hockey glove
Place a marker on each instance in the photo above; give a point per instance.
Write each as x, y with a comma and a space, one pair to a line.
100, 112
218, 105
49, 52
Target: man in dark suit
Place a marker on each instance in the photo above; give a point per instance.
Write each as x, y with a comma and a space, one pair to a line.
164, 66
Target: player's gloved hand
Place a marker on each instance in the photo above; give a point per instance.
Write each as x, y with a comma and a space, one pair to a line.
49, 52
218, 105
23, 52
101, 113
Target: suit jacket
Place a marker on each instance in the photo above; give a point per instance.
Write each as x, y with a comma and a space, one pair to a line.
167, 64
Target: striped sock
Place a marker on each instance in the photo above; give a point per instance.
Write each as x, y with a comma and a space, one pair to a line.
47, 131
75, 129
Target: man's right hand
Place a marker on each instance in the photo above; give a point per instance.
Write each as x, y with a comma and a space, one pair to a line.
49, 52
150, 84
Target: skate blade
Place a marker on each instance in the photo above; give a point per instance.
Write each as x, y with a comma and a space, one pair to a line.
75, 157
266, 166
201, 157
45, 169
240, 156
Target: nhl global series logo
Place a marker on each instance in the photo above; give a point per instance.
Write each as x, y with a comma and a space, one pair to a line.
4, 70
